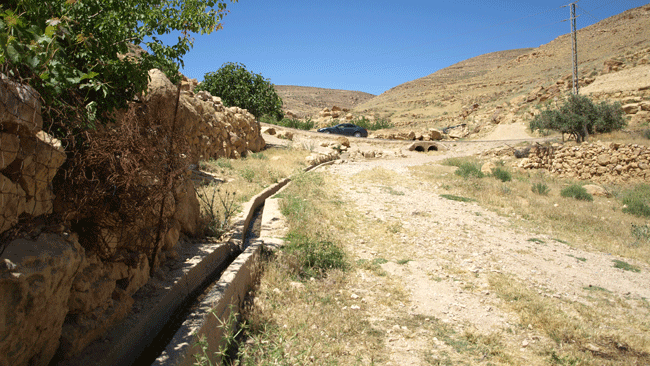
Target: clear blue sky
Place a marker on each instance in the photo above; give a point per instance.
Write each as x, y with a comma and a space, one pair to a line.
374, 45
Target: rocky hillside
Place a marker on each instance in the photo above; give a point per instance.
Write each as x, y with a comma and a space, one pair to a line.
505, 86
304, 101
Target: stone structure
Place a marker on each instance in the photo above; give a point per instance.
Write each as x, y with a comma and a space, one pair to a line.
56, 296
29, 157
213, 131
600, 162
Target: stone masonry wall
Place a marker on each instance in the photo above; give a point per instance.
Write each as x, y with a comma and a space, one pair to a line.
600, 162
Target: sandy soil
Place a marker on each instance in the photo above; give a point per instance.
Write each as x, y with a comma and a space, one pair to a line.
454, 247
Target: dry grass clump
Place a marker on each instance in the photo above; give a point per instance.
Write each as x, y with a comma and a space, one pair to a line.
575, 328
246, 177
536, 200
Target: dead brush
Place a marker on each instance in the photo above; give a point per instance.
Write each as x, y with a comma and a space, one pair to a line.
116, 187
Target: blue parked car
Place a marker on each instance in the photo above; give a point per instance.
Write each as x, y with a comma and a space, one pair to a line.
347, 129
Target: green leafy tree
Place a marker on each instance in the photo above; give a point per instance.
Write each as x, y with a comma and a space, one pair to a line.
239, 87
71, 51
579, 117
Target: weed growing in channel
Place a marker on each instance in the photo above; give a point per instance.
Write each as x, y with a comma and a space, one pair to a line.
224, 354
217, 208
576, 191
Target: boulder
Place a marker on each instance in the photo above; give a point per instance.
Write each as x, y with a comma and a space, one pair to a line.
631, 108
596, 190
488, 167
187, 208
35, 295
269, 131
343, 141
435, 134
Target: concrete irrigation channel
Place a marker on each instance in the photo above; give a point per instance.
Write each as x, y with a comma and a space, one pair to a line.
199, 297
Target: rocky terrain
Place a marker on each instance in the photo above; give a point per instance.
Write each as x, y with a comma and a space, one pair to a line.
304, 101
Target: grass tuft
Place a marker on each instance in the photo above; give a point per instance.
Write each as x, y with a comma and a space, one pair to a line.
540, 189
637, 201
457, 198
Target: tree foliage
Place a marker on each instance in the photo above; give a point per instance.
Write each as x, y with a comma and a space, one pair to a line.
69, 50
239, 87
579, 117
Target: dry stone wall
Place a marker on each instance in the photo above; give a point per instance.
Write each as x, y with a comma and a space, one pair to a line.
213, 131
29, 157
56, 297
600, 162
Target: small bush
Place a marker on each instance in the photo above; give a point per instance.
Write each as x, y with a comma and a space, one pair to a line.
576, 191
637, 201
502, 174
372, 126
540, 188
469, 169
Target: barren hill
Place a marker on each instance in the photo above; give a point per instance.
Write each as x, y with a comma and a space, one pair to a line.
308, 101
474, 90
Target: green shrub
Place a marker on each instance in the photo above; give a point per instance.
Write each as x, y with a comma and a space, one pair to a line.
469, 169
239, 87
579, 117
540, 188
306, 125
315, 257
502, 174
637, 201
70, 51
576, 191
372, 126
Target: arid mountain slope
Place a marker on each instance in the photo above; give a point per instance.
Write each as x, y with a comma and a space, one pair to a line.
493, 79
308, 101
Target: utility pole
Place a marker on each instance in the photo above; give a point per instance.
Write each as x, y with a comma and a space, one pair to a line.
574, 47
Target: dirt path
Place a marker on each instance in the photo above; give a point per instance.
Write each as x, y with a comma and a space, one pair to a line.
447, 255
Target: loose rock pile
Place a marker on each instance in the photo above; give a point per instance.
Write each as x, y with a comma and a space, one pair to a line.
606, 163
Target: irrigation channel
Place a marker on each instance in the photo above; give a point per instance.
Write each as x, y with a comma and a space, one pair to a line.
191, 306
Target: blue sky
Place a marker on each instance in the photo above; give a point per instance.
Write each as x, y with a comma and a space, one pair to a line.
374, 45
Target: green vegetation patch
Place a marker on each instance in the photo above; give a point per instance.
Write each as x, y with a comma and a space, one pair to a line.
457, 198
625, 266
576, 191
637, 201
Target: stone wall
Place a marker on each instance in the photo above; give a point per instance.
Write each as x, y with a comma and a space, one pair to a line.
29, 157
600, 162
212, 130
56, 297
